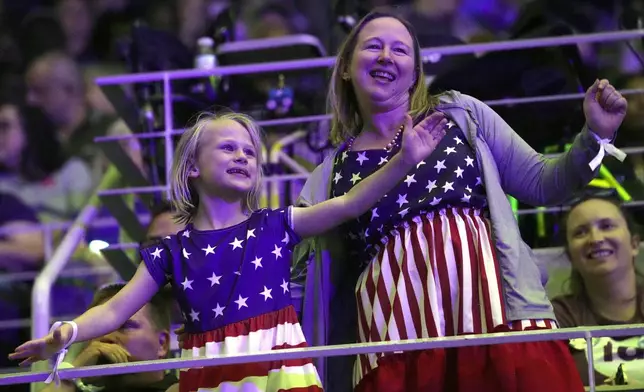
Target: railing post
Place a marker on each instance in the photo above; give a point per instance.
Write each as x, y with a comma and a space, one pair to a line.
168, 120
591, 362
40, 296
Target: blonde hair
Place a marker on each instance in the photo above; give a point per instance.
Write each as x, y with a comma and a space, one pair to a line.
346, 120
183, 194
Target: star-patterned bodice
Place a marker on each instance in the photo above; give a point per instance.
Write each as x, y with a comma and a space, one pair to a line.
224, 276
449, 177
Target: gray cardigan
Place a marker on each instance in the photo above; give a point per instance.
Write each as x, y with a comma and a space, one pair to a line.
508, 166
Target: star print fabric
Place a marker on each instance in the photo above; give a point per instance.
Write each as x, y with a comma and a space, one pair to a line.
427, 255
232, 286
449, 177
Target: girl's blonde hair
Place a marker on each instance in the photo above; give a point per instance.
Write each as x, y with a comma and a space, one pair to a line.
183, 194
342, 102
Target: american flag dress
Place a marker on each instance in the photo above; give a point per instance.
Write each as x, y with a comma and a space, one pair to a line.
429, 267
232, 286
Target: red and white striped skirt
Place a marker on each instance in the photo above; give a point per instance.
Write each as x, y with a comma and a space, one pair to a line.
436, 275
270, 331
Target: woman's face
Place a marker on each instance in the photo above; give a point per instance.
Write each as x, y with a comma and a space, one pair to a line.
599, 240
382, 66
12, 136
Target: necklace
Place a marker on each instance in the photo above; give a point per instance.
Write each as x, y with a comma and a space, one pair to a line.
393, 143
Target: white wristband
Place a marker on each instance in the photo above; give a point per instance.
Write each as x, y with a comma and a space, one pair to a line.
605, 147
60, 355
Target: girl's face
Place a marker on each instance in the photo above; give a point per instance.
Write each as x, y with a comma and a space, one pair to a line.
599, 240
226, 163
12, 136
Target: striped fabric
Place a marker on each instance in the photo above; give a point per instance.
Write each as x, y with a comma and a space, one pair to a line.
271, 331
435, 275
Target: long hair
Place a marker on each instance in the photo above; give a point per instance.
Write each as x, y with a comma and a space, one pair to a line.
575, 283
346, 120
183, 194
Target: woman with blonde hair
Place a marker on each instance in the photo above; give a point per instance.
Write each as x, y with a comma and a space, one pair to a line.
230, 267
440, 254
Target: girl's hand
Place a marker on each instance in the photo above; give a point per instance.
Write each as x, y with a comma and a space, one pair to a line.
43, 348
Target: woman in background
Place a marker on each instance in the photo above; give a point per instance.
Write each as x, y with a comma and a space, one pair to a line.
602, 242
33, 166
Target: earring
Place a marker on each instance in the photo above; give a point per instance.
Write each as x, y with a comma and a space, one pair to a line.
346, 77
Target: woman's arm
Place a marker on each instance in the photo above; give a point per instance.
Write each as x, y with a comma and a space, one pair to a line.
418, 143
533, 178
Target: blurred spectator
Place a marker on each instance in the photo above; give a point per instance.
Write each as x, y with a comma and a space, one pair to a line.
442, 18
193, 21
33, 166
39, 33
162, 222
276, 19
55, 83
112, 31
145, 336
161, 15
602, 243
21, 249
77, 22
196, 18
21, 242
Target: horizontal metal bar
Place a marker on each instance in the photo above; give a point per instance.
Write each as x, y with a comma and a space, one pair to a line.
627, 150
294, 120
163, 188
133, 190
100, 223
123, 246
26, 323
551, 98
328, 351
529, 211
325, 117
67, 273
326, 62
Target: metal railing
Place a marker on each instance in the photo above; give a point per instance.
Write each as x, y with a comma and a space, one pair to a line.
342, 350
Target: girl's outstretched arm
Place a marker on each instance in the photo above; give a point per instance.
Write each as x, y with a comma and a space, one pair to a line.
418, 143
95, 322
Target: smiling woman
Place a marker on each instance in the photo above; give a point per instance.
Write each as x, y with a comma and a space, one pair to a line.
383, 76
441, 254
602, 242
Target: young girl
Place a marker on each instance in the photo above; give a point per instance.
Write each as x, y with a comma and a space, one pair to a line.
229, 267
